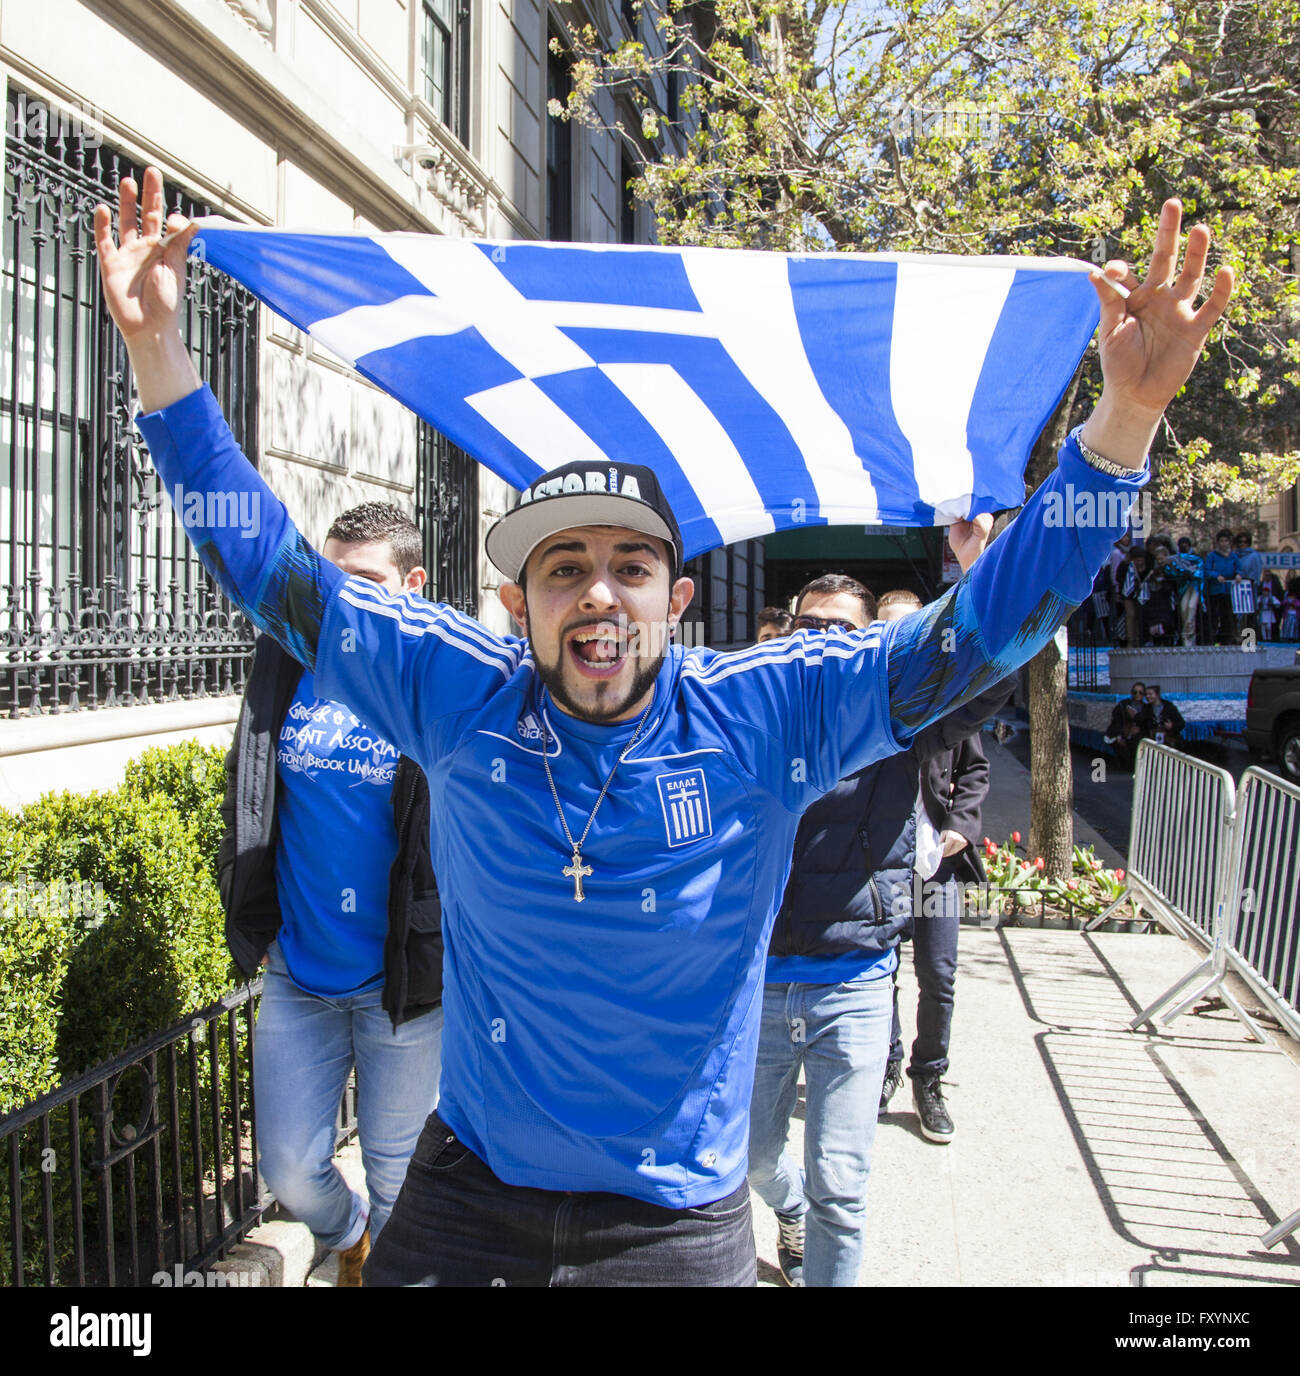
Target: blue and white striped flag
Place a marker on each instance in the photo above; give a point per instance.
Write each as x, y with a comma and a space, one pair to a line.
766, 390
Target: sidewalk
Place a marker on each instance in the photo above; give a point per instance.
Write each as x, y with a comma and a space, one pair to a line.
1085, 1154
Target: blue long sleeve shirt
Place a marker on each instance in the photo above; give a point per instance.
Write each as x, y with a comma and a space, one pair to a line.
1219, 566
610, 1044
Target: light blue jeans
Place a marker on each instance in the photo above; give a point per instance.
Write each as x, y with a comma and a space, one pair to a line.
839, 1034
304, 1050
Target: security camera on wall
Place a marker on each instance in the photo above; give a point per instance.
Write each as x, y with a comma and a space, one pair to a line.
424, 155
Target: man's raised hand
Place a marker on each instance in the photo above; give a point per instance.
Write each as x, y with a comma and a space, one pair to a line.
143, 278
968, 538
1150, 340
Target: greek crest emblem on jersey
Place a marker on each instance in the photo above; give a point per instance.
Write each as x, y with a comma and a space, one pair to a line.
684, 798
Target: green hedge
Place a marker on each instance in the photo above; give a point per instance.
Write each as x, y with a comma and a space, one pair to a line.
110, 929
111, 925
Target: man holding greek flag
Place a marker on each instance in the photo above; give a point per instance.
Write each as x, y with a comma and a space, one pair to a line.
613, 816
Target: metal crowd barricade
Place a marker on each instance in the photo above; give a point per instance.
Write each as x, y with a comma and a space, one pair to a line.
1182, 863
1263, 942
1257, 930
1179, 841
1247, 911
1263, 946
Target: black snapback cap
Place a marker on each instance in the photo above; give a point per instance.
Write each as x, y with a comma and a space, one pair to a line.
582, 493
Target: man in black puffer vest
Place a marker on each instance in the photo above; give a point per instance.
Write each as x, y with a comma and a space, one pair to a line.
828, 999
326, 880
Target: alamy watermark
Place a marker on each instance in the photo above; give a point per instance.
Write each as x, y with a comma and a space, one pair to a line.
207, 509
957, 123
30, 120
85, 903
241, 511
1085, 509
75, 1327
179, 1278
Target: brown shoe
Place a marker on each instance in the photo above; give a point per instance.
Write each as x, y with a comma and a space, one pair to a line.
351, 1261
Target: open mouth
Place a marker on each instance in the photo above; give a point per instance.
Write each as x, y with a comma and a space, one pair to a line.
598, 651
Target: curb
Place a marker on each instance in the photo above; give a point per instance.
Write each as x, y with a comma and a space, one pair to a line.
280, 1252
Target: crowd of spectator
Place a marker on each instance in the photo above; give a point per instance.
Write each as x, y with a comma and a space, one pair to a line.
1156, 594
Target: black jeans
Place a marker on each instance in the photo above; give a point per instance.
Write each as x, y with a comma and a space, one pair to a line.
1223, 620
934, 957
456, 1223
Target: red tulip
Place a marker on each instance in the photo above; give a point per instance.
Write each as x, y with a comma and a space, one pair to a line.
1119, 874
1038, 862
1015, 837
1071, 883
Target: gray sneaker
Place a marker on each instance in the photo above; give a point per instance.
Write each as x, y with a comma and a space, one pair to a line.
930, 1108
789, 1247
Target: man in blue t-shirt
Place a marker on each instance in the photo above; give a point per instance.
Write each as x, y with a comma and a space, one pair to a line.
1220, 574
615, 815
326, 881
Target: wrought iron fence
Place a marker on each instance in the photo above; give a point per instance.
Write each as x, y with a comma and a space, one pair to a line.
144, 1163
102, 600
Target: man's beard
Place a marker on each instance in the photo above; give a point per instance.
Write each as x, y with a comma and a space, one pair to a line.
643, 679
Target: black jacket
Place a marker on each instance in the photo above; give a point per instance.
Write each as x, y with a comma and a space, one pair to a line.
1129, 721
850, 885
246, 858
1164, 717
954, 785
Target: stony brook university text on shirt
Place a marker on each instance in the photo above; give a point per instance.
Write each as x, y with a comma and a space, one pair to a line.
324, 736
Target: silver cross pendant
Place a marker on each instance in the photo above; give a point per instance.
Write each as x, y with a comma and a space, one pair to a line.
576, 871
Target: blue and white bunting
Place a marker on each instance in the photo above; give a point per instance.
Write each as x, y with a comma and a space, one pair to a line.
767, 390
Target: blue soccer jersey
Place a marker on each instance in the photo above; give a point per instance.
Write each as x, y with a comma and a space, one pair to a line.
610, 1044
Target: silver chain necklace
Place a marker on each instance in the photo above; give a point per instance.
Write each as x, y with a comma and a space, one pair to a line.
577, 870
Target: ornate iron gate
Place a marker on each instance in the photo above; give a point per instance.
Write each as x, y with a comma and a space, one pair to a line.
104, 601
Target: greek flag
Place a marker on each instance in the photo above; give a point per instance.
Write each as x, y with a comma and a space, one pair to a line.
766, 390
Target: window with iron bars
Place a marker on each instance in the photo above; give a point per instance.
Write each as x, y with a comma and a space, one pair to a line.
729, 589
1289, 506
446, 502
102, 600
559, 150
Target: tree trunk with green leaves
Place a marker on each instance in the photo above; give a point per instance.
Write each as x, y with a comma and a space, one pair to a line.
999, 126
1010, 127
